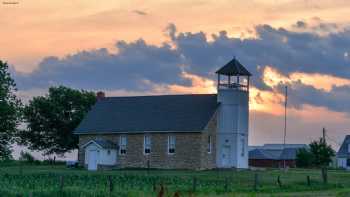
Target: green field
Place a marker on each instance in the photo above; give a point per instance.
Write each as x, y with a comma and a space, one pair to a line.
44, 180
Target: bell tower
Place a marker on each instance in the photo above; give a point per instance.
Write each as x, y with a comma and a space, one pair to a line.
233, 119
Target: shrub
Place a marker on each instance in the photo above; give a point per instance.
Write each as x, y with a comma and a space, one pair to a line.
26, 156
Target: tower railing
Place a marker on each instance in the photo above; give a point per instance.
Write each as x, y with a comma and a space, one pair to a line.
235, 86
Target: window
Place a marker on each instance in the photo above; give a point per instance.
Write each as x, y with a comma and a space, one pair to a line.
243, 147
171, 144
348, 148
347, 162
108, 152
209, 144
147, 144
122, 145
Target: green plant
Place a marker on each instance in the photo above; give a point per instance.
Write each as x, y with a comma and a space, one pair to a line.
304, 158
27, 157
322, 153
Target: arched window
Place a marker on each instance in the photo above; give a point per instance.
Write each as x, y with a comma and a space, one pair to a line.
171, 144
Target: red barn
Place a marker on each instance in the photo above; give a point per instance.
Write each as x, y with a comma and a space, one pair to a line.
274, 155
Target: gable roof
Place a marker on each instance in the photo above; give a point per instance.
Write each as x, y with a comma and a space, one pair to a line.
264, 154
274, 154
282, 146
343, 150
165, 113
106, 144
233, 68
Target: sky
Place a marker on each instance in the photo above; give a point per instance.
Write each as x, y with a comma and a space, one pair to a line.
174, 47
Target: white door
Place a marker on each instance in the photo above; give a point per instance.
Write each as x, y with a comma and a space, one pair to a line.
226, 156
92, 163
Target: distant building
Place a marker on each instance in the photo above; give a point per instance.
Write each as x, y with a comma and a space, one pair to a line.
343, 155
170, 131
274, 155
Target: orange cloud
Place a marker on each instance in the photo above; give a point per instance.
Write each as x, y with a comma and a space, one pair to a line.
273, 77
200, 85
319, 81
266, 101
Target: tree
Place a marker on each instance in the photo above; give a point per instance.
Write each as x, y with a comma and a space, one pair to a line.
322, 153
51, 119
9, 111
304, 158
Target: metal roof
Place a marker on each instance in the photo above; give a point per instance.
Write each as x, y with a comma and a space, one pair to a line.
274, 154
233, 68
289, 154
264, 154
343, 150
165, 113
281, 146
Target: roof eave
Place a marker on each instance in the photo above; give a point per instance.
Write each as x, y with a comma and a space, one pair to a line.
134, 132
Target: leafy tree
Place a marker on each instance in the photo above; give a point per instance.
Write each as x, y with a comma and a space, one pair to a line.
51, 119
9, 111
319, 155
322, 153
304, 158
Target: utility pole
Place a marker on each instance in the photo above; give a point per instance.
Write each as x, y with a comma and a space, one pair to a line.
324, 135
324, 168
285, 122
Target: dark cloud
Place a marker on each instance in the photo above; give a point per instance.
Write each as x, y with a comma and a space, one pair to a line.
138, 61
336, 100
100, 69
300, 24
288, 51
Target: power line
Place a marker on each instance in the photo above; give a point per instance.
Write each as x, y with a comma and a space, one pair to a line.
333, 140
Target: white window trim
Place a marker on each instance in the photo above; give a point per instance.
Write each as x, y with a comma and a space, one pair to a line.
209, 144
168, 149
144, 144
120, 144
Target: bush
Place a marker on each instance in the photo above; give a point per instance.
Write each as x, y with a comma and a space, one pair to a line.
26, 156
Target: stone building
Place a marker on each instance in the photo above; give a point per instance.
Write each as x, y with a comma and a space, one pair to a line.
195, 131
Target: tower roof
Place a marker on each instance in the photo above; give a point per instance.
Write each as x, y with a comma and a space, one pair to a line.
233, 68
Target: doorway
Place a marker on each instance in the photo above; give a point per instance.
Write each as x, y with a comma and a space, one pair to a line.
226, 156
92, 162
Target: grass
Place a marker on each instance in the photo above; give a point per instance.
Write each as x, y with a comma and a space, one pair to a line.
45, 180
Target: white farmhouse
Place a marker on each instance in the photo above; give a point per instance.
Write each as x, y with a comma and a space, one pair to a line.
343, 155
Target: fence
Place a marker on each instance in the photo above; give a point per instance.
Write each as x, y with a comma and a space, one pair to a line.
179, 183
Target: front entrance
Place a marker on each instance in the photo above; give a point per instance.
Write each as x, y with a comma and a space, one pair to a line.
226, 156
92, 162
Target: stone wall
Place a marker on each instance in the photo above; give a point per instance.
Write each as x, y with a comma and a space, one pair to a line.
208, 160
190, 149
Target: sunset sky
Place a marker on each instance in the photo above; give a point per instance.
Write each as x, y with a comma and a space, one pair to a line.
139, 47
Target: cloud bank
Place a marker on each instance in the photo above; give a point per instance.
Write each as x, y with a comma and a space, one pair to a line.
315, 66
